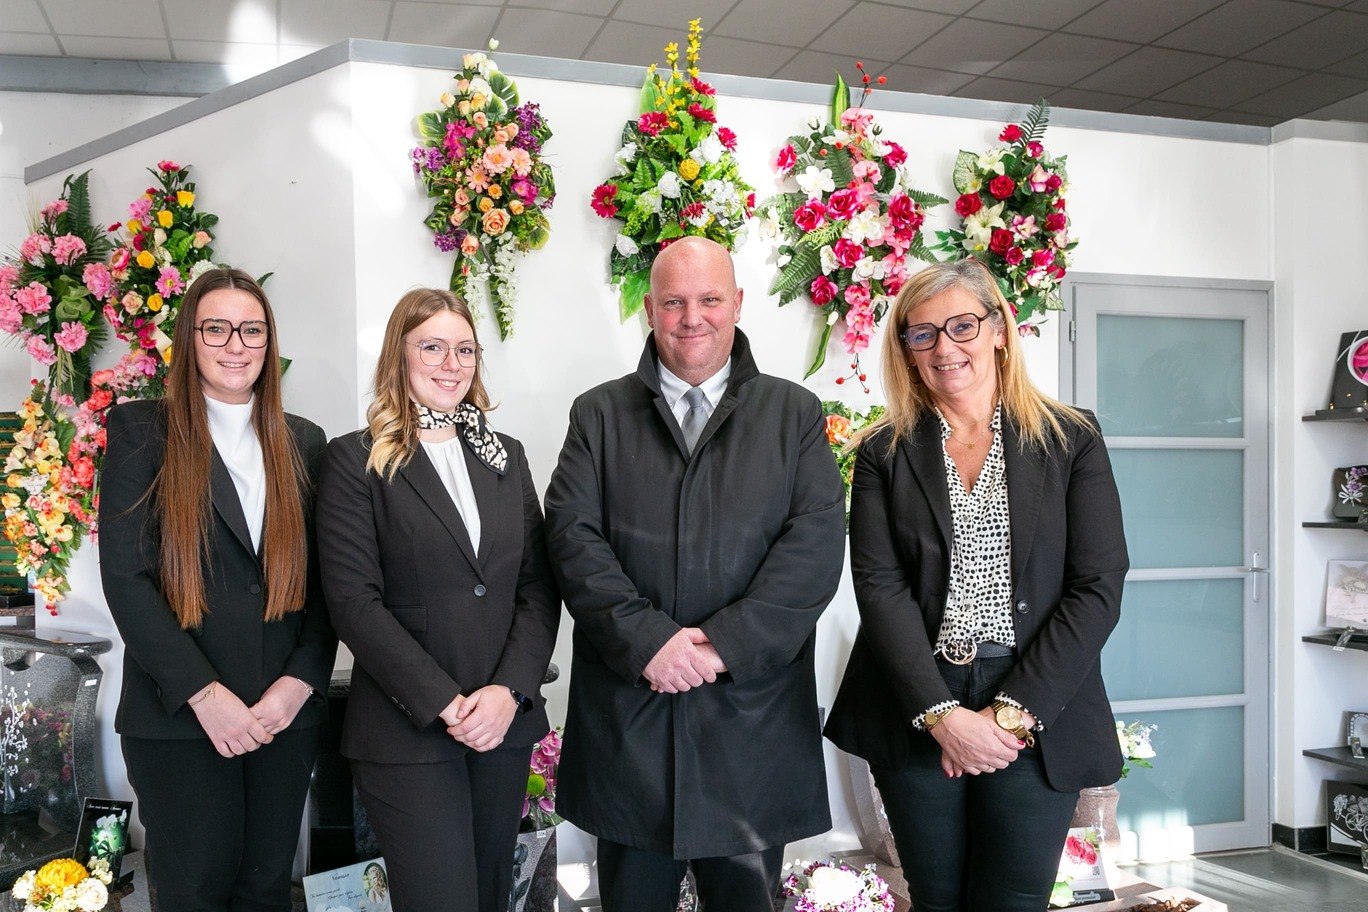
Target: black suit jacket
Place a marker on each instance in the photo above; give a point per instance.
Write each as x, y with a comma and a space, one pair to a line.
425, 616
1068, 564
165, 665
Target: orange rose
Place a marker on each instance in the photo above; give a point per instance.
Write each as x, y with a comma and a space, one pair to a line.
470, 245
494, 222
837, 430
485, 204
495, 191
515, 206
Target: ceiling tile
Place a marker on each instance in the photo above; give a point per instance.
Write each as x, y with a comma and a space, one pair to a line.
125, 19
638, 45
949, 7
22, 16
1309, 93
1050, 15
549, 33
987, 87
1330, 37
814, 66
1153, 108
1148, 71
1355, 108
742, 58
222, 20
601, 8
1249, 120
1083, 100
881, 32
670, 13
24, 43
1240, 25
967, 46
1062, 60
324, 22
1229, 83
1128, 20
448, 25
803, 20
116, 48
1351, 66
1358, 6
904, 78
235, 54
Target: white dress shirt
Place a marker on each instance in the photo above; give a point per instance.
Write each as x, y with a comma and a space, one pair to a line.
448, 457
230, 426
673, 389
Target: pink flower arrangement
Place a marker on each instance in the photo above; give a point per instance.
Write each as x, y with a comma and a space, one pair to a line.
829, 886
845, 234
539, 805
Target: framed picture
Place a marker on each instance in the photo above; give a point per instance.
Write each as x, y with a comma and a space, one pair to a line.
1350, 388
362, 887
1349, 492
1346, 594
103, 832
1346, 816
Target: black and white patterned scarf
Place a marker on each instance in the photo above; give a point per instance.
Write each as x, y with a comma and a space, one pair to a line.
471, 423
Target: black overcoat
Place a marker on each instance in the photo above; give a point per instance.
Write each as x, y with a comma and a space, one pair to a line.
743, 539
1068, 564
165, 665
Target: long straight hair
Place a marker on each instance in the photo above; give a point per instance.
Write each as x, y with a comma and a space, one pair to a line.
392, 416
1036, 416
182, 484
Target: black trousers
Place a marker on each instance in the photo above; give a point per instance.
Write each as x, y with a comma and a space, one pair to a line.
986, 843
636, 880
447, 830
221, 832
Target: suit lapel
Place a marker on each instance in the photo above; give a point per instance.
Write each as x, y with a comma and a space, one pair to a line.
1025, 478
923, 452
422, 475
224, 495
484, 481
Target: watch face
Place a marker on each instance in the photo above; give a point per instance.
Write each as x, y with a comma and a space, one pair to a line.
1009, 717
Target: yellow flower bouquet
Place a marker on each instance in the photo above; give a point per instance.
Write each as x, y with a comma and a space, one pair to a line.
64, 885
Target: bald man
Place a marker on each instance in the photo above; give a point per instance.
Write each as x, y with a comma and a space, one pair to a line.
697, 522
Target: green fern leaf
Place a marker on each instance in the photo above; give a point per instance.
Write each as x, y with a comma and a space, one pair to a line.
1036, 121
925, 199
842, 169
793, 279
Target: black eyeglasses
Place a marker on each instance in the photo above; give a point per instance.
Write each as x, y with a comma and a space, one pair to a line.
217, 333
434, 354
924, 336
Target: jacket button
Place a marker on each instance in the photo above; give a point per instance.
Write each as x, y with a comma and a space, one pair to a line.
1022, 607
255, 589
480, 590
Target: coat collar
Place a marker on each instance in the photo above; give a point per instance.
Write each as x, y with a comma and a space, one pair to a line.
743, 370
422, 475
224, 495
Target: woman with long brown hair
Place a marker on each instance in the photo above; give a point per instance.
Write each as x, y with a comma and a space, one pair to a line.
435, 569
206, 554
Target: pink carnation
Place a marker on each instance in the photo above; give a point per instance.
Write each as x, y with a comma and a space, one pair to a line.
140, 208
33, 248
67, 249
167, 164
9, 277
97, 280
170, 282
53, 209
41, 351
71, 336
34, 299
11, 317
856, 120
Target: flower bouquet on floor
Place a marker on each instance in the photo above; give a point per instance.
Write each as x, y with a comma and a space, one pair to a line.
480, 159
166, 249
846, 233
64, 885
1016, 219
675, 175
829, 886
51, 294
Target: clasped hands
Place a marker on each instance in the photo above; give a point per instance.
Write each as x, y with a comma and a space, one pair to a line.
687, 660
972, 742
480, 720
235, 728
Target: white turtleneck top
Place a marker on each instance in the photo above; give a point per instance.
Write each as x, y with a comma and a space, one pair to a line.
230, 426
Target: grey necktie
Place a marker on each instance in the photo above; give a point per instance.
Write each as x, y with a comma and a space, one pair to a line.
694, 418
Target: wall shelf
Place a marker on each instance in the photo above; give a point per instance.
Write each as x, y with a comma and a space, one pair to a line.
1339, 756
1336, 524
1357, 641
1339, 414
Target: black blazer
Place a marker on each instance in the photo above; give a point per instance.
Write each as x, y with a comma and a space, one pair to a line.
165, 665
1068, 563
426, 617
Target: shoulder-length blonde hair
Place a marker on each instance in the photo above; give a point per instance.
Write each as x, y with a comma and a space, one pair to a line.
391, 416
182, 483
1036, 416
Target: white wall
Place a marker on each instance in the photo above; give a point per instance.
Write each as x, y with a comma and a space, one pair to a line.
1320, 236
313, 181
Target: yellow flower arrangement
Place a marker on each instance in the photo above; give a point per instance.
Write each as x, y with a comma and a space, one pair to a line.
145, 259
185, 199
65, 884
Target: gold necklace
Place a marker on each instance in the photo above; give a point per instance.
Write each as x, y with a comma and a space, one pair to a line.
971, 444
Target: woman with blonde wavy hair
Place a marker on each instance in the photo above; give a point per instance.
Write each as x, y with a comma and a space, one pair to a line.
988, 557
435, 571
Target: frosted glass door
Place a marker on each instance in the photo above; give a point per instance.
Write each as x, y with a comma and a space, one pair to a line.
1176, 373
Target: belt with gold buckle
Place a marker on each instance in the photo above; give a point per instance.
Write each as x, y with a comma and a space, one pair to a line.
959, 652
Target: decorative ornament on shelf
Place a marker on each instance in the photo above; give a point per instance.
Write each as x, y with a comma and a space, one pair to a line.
1016, 219
675, 175
52, 292
481, 161
842, 424
845, 234
829, 886
167, 248
66, 885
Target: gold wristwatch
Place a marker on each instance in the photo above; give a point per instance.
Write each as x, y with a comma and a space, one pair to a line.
931, 719
1008, 718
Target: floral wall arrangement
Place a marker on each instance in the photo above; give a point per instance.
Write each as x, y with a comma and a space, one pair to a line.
675, 175
480, 159
1015, 218
846, 233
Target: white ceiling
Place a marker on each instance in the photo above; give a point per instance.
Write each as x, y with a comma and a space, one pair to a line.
1240, 61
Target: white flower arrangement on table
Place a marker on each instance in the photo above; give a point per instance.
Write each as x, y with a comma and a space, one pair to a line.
829, 886
1136, 748
64, 885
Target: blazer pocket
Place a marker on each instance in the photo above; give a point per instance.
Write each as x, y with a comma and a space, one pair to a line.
412, 618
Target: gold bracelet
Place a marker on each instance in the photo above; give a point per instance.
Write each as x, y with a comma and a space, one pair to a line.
207, 694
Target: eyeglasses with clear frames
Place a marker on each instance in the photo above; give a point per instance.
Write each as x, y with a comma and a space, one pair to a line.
217, 333
434, 353
924, 336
